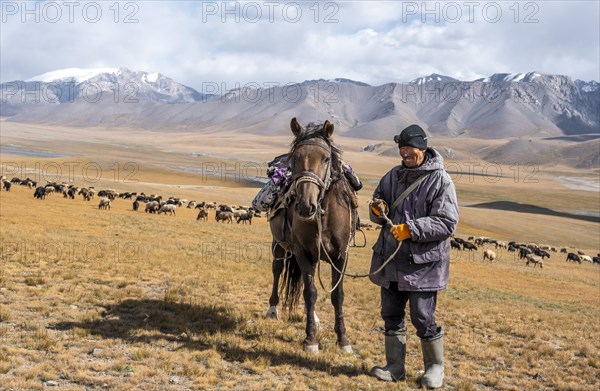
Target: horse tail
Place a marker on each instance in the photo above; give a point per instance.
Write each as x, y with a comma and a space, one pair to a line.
291, 284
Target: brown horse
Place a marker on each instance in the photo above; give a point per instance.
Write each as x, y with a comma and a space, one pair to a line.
312, 223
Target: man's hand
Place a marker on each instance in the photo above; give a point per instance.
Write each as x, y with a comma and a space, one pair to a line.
400, 232
378, 207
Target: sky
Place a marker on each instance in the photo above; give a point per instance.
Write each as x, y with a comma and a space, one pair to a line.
277, 42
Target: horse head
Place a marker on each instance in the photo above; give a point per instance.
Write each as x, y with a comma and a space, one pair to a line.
311, 164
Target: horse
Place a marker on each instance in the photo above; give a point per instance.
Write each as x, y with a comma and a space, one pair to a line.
313, 221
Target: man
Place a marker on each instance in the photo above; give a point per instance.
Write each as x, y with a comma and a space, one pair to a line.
417, 246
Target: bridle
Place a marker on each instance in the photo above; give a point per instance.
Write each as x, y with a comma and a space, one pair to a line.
311, 177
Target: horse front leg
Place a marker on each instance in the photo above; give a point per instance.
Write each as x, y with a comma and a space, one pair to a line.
277, 268
337, 299
310, 299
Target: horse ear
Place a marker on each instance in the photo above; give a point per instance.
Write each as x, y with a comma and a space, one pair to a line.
296, 128
328, 128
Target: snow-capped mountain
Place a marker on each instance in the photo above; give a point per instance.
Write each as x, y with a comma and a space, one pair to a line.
499, 106
434, 77
120, 85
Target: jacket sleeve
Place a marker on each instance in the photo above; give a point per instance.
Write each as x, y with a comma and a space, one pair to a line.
382, 192
442, 220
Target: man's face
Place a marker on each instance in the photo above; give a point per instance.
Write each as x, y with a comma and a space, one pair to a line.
412, 157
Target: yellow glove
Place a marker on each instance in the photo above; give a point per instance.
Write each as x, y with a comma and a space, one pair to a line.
378, 207
400, 232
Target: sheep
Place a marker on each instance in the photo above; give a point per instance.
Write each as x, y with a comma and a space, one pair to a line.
224, 216
469, 246
501, 245
573, 258
49, 190
489, 254
455, 244
246, 217
168, 208
202, 215
524, 251
136, 205
40, 193
225, 208
586, 258
152, 207
104, 203
541, 253
7, 185
535, 260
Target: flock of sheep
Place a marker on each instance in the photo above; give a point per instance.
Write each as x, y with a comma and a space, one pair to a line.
153, 203
530, 252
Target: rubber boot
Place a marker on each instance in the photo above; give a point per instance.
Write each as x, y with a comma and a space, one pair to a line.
433, 359
395, 354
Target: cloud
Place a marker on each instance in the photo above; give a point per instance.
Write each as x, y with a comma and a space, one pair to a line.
258, 42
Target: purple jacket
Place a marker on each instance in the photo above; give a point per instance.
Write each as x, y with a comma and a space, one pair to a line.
431, 213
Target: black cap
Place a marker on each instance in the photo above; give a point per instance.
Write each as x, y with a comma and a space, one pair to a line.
412, 136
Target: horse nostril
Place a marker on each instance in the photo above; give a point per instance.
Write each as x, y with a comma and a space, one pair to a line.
313, 209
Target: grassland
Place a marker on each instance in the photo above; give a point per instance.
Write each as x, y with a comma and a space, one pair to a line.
95, 299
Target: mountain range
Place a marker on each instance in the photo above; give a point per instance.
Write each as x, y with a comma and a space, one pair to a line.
501, 106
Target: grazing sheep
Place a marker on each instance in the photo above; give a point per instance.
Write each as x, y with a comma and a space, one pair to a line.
469, 246
587, 258
573, 258
49, 190
246, 217
541, 253
40, 193
524, 251
489, 254
136, 205
7, 185
537, 261
168, 208
224, 216
104, 203
152, 207
455, 244
202, 215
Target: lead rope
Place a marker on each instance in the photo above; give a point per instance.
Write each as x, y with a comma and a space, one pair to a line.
388, 221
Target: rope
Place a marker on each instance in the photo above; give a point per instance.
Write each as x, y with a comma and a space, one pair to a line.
388, 221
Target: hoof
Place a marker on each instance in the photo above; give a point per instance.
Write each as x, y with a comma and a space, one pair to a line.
347, 349
272, 313
314, 349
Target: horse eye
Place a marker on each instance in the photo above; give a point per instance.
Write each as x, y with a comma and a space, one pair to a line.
327, 159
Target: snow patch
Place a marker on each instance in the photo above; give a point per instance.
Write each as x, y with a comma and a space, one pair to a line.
78, 74
152, 77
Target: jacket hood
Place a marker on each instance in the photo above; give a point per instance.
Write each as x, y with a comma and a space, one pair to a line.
433, 161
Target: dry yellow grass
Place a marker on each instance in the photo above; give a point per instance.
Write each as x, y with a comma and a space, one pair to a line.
94, 299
